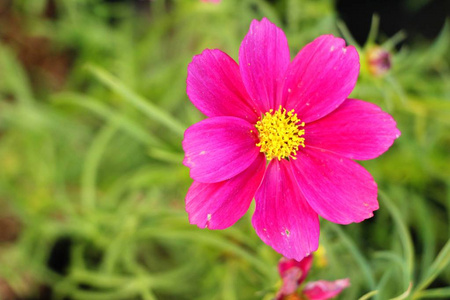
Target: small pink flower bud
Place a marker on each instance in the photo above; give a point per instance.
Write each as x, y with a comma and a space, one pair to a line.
379, 61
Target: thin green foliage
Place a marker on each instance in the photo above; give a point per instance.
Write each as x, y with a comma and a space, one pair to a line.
150, 110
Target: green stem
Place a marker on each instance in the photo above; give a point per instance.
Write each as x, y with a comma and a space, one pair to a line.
91, 164
139, 102
439, 264
211, 240
360, 259
404, 235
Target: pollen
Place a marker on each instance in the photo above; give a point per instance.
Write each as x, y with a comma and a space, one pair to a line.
280, 134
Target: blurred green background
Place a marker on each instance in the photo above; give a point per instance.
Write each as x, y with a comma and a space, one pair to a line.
92, 113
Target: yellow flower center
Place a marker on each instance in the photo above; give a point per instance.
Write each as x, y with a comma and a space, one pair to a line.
279, 134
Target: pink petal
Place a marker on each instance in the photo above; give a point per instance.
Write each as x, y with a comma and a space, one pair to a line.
320, 77
283, 219
215, 87
337, 188
290, 283
263, 60
292, 273
219, 148
322, 290
219, 205
304, 266
356, 129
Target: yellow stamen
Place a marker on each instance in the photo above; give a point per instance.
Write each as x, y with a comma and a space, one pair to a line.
279, 134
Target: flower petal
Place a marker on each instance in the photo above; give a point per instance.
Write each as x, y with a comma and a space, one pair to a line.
290, 283
322, 290
263, 60
283, 219
215, 87
356, 129
320, 77
337, 188
292, 273
219, 205
304, 266
219, 148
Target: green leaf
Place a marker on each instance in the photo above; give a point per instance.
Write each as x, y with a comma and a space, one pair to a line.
139, 102
439, 264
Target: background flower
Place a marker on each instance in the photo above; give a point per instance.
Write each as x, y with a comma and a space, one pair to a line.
293, 273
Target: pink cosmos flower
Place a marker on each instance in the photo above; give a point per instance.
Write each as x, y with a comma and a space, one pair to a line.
284, 133
293, 273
